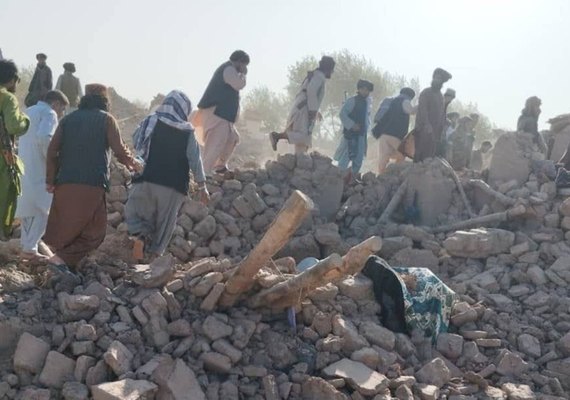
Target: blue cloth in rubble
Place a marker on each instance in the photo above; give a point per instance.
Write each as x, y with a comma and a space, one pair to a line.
412, 299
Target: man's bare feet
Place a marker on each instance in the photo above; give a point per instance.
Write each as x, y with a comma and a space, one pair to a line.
138, 249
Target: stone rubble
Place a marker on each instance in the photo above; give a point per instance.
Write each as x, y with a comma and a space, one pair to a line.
156, 331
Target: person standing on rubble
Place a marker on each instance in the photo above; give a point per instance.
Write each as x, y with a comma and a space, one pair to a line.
13, 123
392, 128
528, 121
462, 144
70, 86
305, 111
479, 158
42, 81
430, 118
218, 110
448, 97
165, 141
77, 174
34, 201
355, 119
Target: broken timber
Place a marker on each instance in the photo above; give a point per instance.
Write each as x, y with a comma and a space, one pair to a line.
331, 269
294, 211
478, 222
501, 198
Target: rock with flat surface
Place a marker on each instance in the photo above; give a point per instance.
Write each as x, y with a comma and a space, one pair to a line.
155, 275
511, 364
518, 392
177, 380
31, 353
363, 379
215, 329
57, 370
434, 373
479, 243
118, 357
75, 307
126, 389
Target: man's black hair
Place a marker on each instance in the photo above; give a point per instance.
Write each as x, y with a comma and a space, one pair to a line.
240, 56
8, 71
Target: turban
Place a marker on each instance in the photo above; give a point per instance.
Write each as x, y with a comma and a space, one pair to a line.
450, 93
68, 66
446, 75
363, 83
326, 63
96, 89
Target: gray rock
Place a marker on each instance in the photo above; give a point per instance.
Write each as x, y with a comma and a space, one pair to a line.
479, 243
155, 275
30, 354
119, 358
74, 391
215, 329
126, 389
434, 373
57, 370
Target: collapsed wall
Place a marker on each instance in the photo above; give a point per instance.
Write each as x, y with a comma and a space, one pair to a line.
157, 331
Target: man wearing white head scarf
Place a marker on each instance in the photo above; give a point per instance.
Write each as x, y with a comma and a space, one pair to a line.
165, 141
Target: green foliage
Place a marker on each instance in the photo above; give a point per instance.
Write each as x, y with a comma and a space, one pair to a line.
484, 128
270, 106
26, 74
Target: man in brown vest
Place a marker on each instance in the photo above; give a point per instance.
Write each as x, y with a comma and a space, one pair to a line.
70, 86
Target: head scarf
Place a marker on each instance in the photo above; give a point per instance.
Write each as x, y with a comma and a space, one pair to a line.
446, 75
174, 111
96, 89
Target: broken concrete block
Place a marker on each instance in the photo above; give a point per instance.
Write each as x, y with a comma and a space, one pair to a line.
119, 358
155, 275
57, 370
479, 243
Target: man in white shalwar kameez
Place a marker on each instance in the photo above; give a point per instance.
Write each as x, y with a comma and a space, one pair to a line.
305, 110
34, 202
218, 111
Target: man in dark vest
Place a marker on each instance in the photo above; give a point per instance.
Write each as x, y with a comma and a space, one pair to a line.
78, 176
165, 140
42, 81
70, 86
355, 119
218, 112
392, 128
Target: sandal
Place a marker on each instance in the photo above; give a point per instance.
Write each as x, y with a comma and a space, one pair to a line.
274, 138
138, 249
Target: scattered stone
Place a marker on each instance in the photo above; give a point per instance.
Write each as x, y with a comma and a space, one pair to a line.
119, 358
365, 380
57, 370
155, 275
434, 373
30, 355
126, 389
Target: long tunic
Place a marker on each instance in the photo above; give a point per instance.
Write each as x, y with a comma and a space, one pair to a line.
16, 123
70, 85
309, 99
430, 121
78, 216
216, 136
42, 82
343, 154
33, 146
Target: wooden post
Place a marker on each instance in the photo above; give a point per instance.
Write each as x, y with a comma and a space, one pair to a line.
459, 187
394, 202
500, 197
292, 214
331, 269
482, 221
298, 285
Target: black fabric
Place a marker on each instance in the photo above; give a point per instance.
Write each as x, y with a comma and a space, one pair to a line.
167, 163
358, 115
395, 122
388, 293
84, 155
221, 95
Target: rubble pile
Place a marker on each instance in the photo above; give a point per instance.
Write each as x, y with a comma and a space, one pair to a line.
168, 330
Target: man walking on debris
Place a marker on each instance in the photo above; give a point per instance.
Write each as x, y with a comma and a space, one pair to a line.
479, 158
461, 142
42, 81
70, 86
218, 112
431, 117
305, 110
165, 141
13, 123
78, 176
355, 119
392, 128
528, 121
34, 202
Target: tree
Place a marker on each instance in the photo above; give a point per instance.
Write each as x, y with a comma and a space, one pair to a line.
26, 74
348, 70
270, 106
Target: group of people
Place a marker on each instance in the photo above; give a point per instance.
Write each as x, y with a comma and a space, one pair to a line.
66, 138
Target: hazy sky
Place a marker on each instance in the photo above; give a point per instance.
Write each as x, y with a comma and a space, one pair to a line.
499, 51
